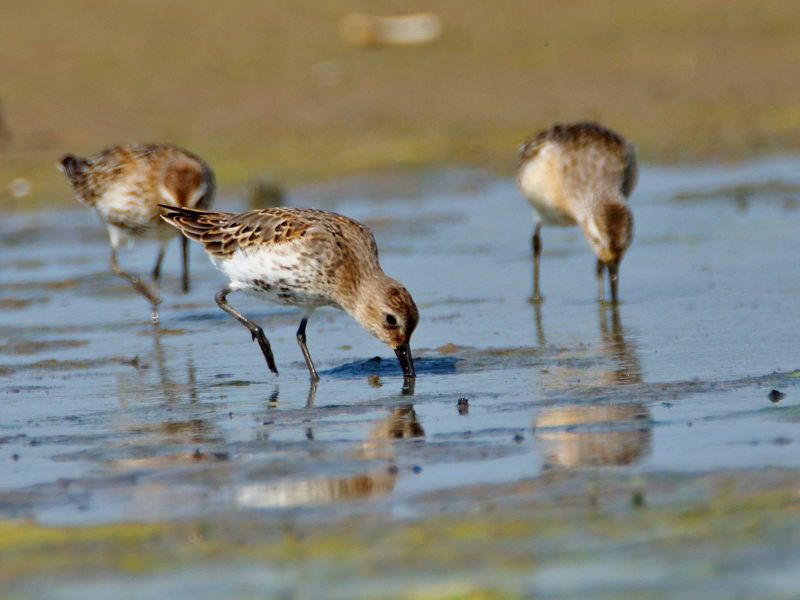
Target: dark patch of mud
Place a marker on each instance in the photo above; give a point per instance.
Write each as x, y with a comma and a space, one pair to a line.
19, 303
386, 367
37, 347
77, 366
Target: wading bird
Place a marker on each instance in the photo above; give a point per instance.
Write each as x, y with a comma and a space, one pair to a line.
307, 258
581, 174
126, 184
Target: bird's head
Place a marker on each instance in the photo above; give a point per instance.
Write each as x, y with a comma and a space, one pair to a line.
388, 312
609, 230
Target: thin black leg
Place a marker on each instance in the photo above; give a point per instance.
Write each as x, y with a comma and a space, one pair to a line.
136, 283
255, 330
301, 340
536, 243
601, 266
185, 257
613, 279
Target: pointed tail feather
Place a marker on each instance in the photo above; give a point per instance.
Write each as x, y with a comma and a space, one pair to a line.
200, 225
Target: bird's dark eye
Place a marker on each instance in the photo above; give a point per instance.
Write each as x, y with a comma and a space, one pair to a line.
391, 320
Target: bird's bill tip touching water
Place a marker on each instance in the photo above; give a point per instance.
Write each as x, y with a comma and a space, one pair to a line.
403, 352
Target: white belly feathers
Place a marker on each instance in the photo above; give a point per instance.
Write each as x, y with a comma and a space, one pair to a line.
278, 274
543, 190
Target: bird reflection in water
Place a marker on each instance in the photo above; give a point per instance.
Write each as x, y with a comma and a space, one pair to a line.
374, 381
588, 365
540, 338
400, 424
572, 437
158, 374
154, 378
183, 439
579, 436
621, 352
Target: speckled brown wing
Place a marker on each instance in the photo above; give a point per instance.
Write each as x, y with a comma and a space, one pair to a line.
90, 177
148, 165
223, 233
577, 135
581, 135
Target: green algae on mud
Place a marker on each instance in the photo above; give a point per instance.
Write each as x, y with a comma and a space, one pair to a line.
494, 540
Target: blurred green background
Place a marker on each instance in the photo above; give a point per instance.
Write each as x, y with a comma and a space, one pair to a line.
267, 88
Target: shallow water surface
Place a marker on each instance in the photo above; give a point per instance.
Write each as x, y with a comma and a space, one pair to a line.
107, 418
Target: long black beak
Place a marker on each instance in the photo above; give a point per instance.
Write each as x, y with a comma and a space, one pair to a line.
613, 279
406, 361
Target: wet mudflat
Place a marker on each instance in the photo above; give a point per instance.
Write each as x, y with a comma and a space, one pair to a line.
559, 450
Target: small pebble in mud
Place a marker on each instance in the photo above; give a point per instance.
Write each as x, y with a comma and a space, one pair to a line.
775, 396
463, 406
637, 499
15, 457
666, 404
416, 469
519, 438
392, 469
689, 424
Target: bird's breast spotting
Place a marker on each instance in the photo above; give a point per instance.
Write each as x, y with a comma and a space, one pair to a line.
282, 277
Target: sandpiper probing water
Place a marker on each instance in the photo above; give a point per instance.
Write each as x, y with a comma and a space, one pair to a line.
581, 174
307, 258
126, 184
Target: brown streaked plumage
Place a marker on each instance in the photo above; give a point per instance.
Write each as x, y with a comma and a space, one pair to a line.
308, 258
581, 174
126, 184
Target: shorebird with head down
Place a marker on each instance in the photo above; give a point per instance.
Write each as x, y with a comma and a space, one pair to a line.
126, 184
581, 174
307, 258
